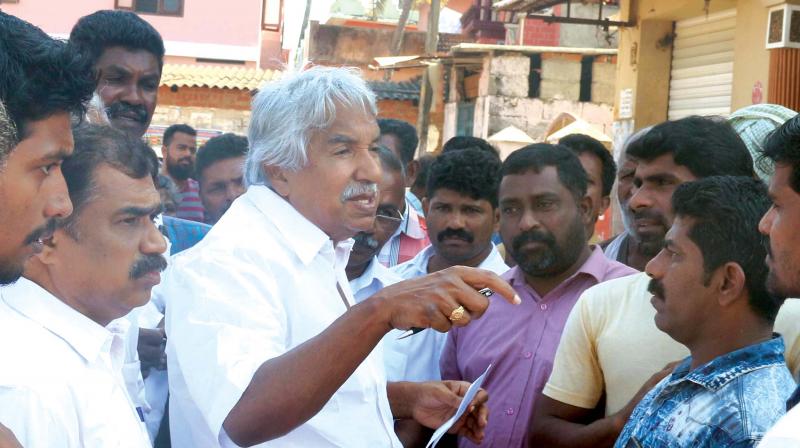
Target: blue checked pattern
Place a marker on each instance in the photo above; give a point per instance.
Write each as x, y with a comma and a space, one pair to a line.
182, 233
730, 402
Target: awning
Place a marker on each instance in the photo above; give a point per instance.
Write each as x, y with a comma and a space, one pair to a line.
216, 76
390, 90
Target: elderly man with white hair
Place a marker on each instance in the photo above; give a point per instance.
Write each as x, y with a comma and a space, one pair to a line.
266, 342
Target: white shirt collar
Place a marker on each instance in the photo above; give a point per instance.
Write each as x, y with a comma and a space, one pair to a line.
303, 236
87, 337
375, 272
418, 265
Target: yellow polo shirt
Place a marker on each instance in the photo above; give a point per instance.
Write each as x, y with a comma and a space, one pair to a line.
611, 343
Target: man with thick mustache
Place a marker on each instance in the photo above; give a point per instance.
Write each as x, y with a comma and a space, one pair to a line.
65, 386
611, 352
127, 55
42, 82
708, 287
266, 342
544, 212
461, 212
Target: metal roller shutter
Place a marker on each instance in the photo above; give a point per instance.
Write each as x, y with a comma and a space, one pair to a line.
701, 79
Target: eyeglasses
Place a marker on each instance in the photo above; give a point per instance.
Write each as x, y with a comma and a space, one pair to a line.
389, 219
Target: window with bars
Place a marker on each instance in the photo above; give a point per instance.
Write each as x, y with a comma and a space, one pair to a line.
157, 7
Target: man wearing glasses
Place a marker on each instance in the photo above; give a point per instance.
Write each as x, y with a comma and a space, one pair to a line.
365, 273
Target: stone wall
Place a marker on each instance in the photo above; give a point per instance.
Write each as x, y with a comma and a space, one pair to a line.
533, 115
225, 120
507, 94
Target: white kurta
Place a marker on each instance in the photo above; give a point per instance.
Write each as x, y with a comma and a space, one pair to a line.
61, 382
262, 282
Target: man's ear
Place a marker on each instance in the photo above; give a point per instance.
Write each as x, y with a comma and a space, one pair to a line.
48, 254
411, 172
586, 206
496, 227
164, 152
425, 204
277, 178
731, 283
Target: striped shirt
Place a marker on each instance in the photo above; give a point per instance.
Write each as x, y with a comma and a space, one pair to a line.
409, 239
190, 206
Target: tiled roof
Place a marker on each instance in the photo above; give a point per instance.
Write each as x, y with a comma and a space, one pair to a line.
404, 90
230, 77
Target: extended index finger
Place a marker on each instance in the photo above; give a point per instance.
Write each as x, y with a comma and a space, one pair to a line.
481, 278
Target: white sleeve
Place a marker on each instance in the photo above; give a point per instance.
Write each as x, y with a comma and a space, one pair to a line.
35, 421
224, 320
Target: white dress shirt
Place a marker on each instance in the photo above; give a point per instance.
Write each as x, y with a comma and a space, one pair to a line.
416, 358
262, 282
61, 382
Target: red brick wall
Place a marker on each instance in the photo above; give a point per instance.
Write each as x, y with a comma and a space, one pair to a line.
537, 32
205, 97
407, 111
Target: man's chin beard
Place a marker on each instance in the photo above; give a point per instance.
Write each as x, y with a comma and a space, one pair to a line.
10, 273
179, 173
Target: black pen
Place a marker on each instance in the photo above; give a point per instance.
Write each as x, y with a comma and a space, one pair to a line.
412, 331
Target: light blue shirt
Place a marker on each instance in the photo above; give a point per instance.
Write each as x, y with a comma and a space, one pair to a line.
375, 278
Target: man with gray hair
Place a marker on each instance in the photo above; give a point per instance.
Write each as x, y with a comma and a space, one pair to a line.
624, 247
266, 341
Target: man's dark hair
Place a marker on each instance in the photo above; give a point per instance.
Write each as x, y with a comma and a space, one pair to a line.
583, 144
406, 134
221, 147
39, 77
470, 172
726, 211
705, 146
182, 128
460, 142
783, 146
97, 145
390, 161
423, 171
94, 33
538, 156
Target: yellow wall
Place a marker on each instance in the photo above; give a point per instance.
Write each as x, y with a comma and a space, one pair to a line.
644, 61
750, 58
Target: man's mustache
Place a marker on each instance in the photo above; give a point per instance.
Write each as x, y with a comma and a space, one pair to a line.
42, 232
533, 236
455, 233
656, 288
146, 265
122, 108
650, 214
355, 189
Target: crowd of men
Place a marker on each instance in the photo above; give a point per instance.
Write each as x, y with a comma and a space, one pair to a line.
315, 284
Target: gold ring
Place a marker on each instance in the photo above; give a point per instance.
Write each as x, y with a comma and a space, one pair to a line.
457, 314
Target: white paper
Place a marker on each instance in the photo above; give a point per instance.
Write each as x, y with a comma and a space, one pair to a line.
468, 397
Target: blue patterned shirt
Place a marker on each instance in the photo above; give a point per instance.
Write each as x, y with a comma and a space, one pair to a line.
729, 402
